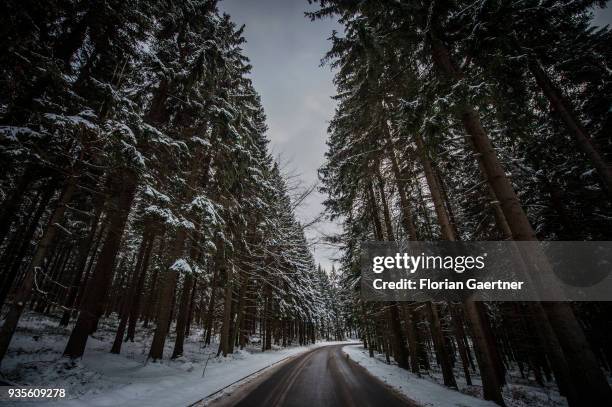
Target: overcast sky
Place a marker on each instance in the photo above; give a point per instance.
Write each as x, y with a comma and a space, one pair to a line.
285, 49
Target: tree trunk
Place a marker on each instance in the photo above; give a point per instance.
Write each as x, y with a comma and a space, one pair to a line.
181, 319
10, 250
191, 306
446, 227
266, 342
23, 293
130, 292
485, 354
123, 314
440, 345
151, 310
385, 207
11, 205
79, 266
208, 323
93, 255
545, 334
25, 243
238, 326
589, 379
378, 233
407, 216
137, 294
166, 298
399, 345
224, 344
368, 333
461, 345
563, 108
412, 340
121, 195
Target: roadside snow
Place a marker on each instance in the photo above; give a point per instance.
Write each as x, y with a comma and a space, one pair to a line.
424, 392
103, 379
156, 384
427, 392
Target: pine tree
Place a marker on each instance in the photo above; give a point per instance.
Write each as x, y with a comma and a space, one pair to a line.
405, 98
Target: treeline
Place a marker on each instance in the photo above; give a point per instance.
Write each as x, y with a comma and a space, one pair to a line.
136, 180
463, 120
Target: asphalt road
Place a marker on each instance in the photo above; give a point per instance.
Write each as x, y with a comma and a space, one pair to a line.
322, 377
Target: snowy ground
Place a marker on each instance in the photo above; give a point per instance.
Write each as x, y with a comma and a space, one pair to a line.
104, 379
428, 390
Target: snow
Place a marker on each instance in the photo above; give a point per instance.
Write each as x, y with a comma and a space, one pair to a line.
168, 217
72, 120
209, 209
103, 379
153, 193
11, 133
427, 392
423, 391
200, 141
182, 266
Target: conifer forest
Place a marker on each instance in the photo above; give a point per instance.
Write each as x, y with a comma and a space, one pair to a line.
152, 242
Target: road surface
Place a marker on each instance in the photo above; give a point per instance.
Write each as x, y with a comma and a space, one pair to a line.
322, 377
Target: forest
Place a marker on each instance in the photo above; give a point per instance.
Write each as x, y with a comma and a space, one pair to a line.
137, 181
474, 120
138, 190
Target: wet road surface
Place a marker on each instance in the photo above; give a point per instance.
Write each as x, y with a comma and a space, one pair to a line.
322, 377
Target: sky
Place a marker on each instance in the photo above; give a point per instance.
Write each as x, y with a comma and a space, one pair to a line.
603, 16
285, 49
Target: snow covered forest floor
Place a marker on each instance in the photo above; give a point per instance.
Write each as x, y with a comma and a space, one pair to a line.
428, 390
104, 379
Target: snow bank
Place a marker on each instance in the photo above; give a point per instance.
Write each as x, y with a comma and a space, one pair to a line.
104, 379
163, 384
427, 392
